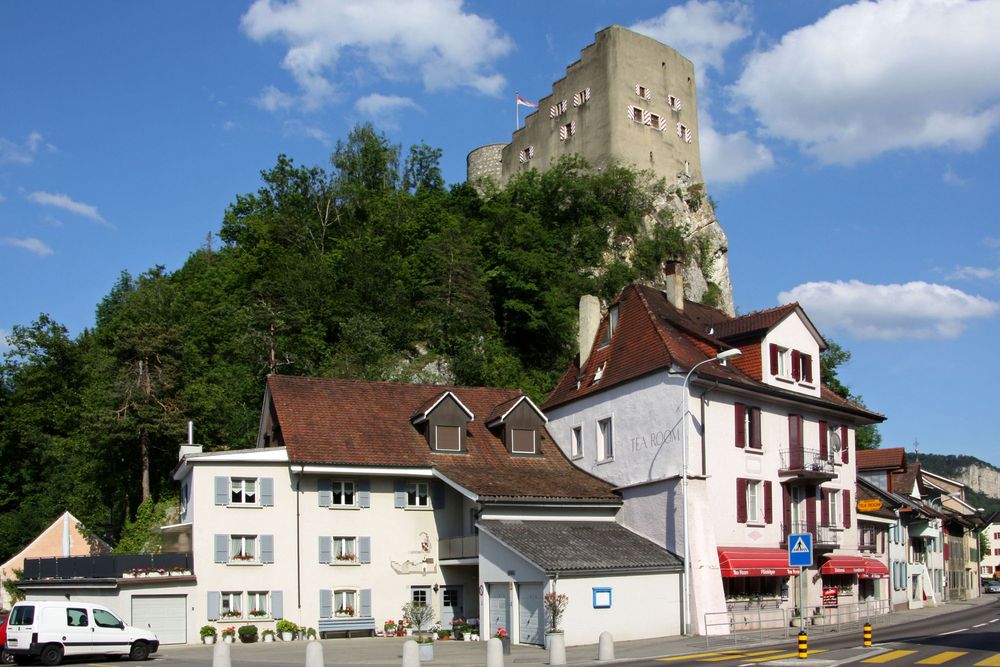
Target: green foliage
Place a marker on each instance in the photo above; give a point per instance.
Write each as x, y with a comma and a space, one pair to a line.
867, 436
984, 547
14, 594
141, 534
712, 296
247, 633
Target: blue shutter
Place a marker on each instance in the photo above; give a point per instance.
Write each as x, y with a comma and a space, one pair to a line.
267, 548
365, 609
213, 605
221, 548
364, 549
277, 605
267, 491
364, 493
325, 548
325, 603
437, 495
221, 490
399, 490
325, 492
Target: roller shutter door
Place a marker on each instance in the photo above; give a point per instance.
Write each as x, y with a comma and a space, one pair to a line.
529, 598
166, 615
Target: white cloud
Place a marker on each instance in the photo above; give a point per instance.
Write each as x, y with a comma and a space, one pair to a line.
447, 47
873, 77
272, 99
24, 152
973, 273
384, 110
67, 204
298, 128
730, 158
889, 312
30, 244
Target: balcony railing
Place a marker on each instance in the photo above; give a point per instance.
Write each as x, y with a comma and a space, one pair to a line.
806, 460
822, 535
105, 567
458, 547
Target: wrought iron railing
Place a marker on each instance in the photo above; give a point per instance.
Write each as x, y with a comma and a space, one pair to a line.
822, 534
800, 458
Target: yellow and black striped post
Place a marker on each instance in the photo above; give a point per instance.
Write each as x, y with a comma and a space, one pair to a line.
803, 645
868, 634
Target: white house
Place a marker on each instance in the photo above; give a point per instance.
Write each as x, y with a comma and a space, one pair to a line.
770, 449
881, 523
989, 566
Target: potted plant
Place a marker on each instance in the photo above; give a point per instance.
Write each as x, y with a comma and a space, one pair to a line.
555, 605
504, 638
208, 634
229, 634
390, 628
248, 634
425, 646
444, 635
310, 633
458, 627
421, 617
286, 629
267, 635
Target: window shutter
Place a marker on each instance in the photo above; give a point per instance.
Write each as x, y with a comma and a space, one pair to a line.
807, 367
267, 491
325, 603
364, 549
755, 429
741, 500
824, 507
811, 510
774, 359
221, 548
637, 87
768, 503
364, 493
277, 604
325, 487
399, 491
221, 490
553, 111
365, 606
437, 495
213, 605
325, 548
572, 128
844, 446
823, 445
796, 361
847, 508
795, 442
267, 548
740, 424
786, 510
630, 112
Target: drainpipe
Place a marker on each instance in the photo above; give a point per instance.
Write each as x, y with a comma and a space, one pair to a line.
704, 440
298, 540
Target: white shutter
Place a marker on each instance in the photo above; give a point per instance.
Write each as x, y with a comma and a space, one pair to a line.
647, 118
662, 124
630, 111
637, 87
687, 134
586, 95
531, 152
553, 111
577, 99
680, 130
572, 128
649, 94
562, 133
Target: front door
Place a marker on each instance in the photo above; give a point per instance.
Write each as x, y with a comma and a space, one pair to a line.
109, 633
499, 608
529, 603
79, 633
451, 605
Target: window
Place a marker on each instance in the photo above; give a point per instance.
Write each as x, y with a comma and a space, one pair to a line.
22, 615
345, 549
243, 491
420, 596
996, 536
558, 109
801, 366
833, 518
257, 604
581, 97
243, 548
76, 618
655, 121
105, 619
526, 154
609, 330
345, 603
643, 92
784, 365
674, 102
635, 114
448, 438
342, 493
754, 504
605, 440
417, 494
576, 442
684, 132
568, 130
231, 604
522, 441
747, 426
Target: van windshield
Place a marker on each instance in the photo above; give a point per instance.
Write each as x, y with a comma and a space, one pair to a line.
22, 615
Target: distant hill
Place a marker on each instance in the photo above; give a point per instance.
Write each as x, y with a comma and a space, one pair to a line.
981, 478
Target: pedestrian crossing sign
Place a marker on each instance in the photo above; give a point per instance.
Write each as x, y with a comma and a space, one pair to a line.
800, 550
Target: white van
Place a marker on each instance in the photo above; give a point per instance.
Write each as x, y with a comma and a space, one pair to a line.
49, 630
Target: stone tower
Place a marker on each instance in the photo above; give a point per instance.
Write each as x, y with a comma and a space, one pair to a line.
632, 100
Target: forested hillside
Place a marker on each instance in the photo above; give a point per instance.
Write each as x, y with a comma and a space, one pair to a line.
370, 268
982, 480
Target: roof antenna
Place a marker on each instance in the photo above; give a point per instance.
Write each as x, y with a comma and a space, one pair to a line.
916, 450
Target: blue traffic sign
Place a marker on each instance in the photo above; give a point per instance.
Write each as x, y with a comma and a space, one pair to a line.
800, 550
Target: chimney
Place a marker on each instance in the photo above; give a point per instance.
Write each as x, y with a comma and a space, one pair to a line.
674, 285
590, 320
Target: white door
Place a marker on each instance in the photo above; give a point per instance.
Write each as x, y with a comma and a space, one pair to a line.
109, 633
451, 605
529, 602
165, 615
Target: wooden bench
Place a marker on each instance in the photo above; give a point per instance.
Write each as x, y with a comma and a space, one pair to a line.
348, 625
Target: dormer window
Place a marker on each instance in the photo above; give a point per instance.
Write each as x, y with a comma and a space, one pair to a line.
609, 330
443, 421
522, 423
523, 441
789, 364
448, 438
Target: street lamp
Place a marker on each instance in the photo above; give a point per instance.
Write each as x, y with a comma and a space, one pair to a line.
721, 356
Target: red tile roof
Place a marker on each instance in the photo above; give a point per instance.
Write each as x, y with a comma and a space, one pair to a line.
891, 458
328, 421
756, 322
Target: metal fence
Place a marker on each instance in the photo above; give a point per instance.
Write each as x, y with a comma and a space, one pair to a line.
103, 567
746, 624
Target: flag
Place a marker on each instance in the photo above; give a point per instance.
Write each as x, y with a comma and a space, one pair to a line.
525, 103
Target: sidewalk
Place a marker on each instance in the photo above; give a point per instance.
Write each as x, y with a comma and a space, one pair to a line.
382, 652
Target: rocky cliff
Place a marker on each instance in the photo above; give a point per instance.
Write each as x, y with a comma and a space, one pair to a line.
978, 475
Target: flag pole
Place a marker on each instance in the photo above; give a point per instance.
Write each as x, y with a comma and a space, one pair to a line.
517, 112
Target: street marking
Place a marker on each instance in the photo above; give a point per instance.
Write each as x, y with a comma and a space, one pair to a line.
979, 626
953, 632
740, 655
782, 656
942, 657
992, 661
699, 655
890, 656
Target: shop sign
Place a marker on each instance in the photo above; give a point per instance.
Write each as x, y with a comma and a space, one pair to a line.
830, 596
869, 505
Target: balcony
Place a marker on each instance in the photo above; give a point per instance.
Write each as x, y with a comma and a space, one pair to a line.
106, 567
806, 464
454, 548
824, 537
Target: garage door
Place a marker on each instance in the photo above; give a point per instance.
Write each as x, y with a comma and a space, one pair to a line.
529, 598
166, 615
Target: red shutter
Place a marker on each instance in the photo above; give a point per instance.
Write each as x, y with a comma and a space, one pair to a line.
796, 375
795, 442
768, 504
847, 508
786, 511
741, 411
807, 367
823, 447
844, 446
947, 551
741, 500
774, 359
824, 507
755, 428
811, 510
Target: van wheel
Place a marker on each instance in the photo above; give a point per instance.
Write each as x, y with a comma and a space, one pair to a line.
6, 658
140, 651
52, 654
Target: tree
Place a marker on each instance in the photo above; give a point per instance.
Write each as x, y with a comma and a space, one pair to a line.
866, 436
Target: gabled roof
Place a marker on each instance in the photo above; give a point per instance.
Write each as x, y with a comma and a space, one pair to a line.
428, 407
890, 458
326, 421
502, 411
652, 335
757, 322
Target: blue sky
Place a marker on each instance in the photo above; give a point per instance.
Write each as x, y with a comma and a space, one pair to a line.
852, 148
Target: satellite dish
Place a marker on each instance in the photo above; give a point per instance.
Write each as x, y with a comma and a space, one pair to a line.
834, 441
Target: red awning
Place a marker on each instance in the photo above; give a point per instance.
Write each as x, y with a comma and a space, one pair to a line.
874, 569
844, 565
754, 562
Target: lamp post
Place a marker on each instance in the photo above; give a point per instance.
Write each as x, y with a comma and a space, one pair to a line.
721, 356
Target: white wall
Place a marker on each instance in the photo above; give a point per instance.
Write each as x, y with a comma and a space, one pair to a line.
793, 334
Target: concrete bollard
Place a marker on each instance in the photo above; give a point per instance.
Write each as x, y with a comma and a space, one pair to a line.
494, 653
557, 648
221, 655
411, 654
606, 646
314, 654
